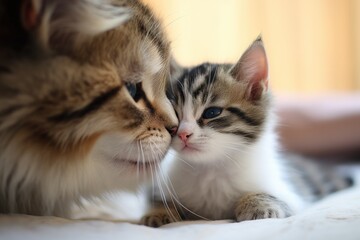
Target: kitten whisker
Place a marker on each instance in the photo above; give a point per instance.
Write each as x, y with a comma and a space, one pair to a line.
152, 175
138, 167
143, 158
173, 197
237, 163
165, 178
163, 197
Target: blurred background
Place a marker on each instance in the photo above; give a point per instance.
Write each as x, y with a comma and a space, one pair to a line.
313, 45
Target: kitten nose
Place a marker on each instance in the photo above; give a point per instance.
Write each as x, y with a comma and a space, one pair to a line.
184, 135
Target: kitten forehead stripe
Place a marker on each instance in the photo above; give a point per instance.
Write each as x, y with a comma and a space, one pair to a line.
180, 92
93, 106
209, 80
194, 73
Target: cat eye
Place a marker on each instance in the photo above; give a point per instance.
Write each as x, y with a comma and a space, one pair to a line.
211, 112
131, 87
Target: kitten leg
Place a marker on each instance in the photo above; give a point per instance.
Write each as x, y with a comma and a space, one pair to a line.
260, 206
160, 215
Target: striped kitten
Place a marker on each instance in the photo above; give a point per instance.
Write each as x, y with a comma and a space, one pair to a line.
82, 101
226, 165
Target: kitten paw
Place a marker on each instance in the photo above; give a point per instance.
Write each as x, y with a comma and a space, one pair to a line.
157, 218
260, 206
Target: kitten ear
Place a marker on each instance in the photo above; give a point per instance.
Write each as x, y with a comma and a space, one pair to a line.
252, 68
45, 18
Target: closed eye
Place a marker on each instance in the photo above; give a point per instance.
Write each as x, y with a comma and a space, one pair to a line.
95, 104
211, 112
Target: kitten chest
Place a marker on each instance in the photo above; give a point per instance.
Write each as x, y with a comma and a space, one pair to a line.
211, 194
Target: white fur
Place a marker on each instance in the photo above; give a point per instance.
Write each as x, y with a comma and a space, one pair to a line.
210, 182
62, 184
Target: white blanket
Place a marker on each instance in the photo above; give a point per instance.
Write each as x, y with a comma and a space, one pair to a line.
335, 217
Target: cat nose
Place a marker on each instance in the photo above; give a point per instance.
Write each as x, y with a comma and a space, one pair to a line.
184, 135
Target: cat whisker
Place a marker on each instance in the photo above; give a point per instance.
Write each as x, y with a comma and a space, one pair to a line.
165, 178
138, 167
184, 161
171, 193
152, 175
237, 163
163, 196
174, 197
143, 159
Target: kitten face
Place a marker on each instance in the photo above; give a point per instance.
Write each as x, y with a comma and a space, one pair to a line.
222, 109
80, 108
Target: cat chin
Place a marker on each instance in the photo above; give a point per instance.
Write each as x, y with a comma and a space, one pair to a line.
196, 156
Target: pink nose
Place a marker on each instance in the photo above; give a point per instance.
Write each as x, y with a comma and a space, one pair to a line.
184, 136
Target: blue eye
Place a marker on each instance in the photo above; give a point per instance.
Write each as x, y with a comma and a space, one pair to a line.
211, 112
131, 87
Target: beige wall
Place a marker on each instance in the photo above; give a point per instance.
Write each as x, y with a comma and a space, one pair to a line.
312, 45
356, 29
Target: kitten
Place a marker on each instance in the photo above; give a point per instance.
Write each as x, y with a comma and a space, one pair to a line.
226, 165
82, 101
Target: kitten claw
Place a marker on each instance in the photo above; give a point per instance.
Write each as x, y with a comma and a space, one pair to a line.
157, 219
261, 206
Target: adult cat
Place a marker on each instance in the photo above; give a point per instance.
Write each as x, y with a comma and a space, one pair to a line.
83, 109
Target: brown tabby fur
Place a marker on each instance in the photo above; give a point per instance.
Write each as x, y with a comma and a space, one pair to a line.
69, 127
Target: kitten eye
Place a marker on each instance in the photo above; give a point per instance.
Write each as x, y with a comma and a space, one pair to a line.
211, 112
131, 87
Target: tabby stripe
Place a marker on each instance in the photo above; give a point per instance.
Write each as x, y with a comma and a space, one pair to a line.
209, 80
247, 135
243, 116
199, 89
153, 37
220, 123
211, 77
194, 73
93, 106
180, 92
148, 29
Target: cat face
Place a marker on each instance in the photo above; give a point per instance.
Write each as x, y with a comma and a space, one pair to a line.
222, 109
82, 96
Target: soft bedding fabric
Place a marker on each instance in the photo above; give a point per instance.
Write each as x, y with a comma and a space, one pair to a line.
335, 217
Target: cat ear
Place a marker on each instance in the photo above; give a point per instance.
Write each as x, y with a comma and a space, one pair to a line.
45, 18
252, 68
